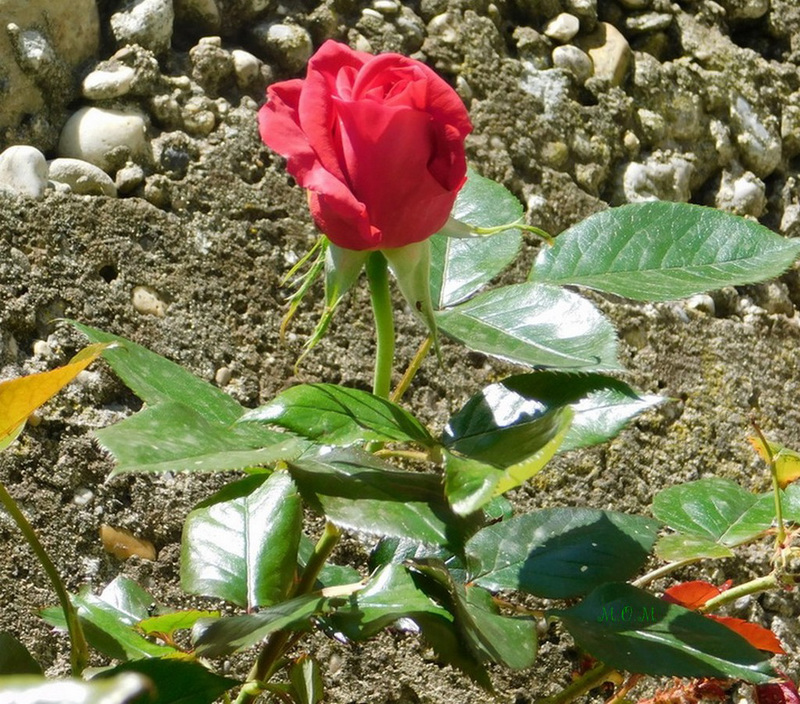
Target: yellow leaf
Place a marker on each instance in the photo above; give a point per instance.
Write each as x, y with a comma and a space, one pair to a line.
21, 397
787, 462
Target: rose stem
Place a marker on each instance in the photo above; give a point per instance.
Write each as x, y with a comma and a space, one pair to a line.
281, 641
588, 680
79, 650
378, 277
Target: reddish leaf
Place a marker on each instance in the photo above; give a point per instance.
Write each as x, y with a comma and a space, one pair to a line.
777, 693
758, 636
692, 595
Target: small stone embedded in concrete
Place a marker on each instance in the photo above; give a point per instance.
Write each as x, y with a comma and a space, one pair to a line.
745, 9
247, 68
23, 171
757, 138
147, 302
223, 376
562, 27
289, 45
34, 53
129, 178
741, 194
572, 59
93, 134
104, 84
790, 220
702, 303
147, 23
648, 22
609, 51
660, 177
42, 349
82, 177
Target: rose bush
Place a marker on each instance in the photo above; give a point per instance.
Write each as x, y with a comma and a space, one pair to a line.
378, 141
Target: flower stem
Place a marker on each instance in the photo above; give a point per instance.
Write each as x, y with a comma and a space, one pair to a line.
280, 642
79, 650
759, 584
588, 680
378, 277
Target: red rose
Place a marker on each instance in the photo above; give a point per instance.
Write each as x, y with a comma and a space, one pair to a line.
378, 141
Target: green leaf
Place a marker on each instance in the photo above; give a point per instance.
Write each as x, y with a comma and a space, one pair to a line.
224, 636
389, 595
15, 658
629, 629
167, 624
490, 636
244, 550
124, 689
469, 484
717, 510
156, 380
536, 325
306, 678
172, 437
109, 620
359, 492
336, 415
175, 681
677, 547
515, 406
660, 251
460, 267
559, 553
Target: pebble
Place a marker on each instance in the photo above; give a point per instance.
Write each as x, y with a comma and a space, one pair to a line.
42, 349
23, 171
198, 116
147, 23
759, 145
635, 4
223, 376
648, 22
82, 177
562, 27
147, 302
386, 7
96, 134
105, 84
742, 194
572, 59
664, 178
702, 303
246, 67
745, 9
203, 14
790, 220
776, 300
34, 53
609, 51
129, 178
289, 45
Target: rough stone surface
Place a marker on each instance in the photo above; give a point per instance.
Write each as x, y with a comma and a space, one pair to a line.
144, 22
43, 48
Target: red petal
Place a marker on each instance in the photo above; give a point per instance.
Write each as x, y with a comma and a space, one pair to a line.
692, 595
758, 636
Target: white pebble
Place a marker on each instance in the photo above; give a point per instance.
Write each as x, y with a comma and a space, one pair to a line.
290, 45
147, 302
82, 177
563, 27
42, 349
246, 67
572, 59
702, 303
91, 133
23, 171
147, 23
105, 83
223, 376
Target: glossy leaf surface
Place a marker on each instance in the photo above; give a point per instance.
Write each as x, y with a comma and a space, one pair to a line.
601, 405
168, 623
359, 492
535, 325
175, 681
228, 635
30, 689
710, 512
15, 658
559, 553
337, 415
629, 629
244, 550
659, 251
461, 266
